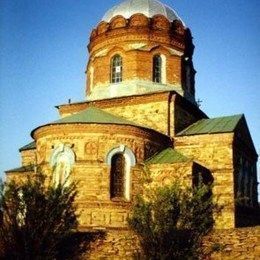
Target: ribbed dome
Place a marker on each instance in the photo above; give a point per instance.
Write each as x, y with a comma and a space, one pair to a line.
147, 7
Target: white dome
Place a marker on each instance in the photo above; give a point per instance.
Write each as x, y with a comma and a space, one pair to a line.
147, 7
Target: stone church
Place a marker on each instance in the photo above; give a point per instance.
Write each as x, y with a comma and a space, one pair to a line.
140, 112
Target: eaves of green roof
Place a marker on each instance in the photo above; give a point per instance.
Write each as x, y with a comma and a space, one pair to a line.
22, 169
94, 115
91, 115
167, 156
225, 124
29, 146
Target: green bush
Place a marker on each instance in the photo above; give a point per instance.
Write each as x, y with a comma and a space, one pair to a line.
172, 220
36, 217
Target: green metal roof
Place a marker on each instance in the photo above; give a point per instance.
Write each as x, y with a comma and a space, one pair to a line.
168, 155
29, 146
94, 115
225, 124
22, 169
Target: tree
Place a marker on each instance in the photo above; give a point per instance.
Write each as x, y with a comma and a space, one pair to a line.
172, 220
37, 216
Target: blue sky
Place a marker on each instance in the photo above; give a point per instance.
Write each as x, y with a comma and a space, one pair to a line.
43, 56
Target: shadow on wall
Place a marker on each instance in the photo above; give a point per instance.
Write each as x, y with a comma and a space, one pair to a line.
247, 216
201, 173
78, 244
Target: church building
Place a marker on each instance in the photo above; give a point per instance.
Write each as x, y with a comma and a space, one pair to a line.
140, 114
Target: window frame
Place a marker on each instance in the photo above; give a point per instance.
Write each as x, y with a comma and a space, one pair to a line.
130, 161
157, 68
116, 63
117, 190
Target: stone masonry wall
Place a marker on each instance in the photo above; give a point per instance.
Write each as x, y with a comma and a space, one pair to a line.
214, 151
239, 243
229, 244
91, 145
28, 157
165, 174
150, 111
166, 112
153, 115
117, 245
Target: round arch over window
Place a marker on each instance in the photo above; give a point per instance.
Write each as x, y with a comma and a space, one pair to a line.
121, 149
121, 159
116, 69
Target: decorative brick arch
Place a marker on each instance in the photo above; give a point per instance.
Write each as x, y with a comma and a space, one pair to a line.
118, 22
121, 149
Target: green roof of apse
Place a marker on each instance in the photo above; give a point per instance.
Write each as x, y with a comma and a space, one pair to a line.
94, 115
22, 169
168, 155
225, 124
29, 146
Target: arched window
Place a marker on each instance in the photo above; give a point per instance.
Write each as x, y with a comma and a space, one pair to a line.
120, 159
117, 176
116, 69
157, 69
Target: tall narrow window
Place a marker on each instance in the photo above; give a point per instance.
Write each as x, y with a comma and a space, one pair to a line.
116, 69
157, 69
117, 177
120, 159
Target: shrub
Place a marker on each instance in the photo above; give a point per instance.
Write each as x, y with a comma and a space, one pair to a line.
36, 217
171, 221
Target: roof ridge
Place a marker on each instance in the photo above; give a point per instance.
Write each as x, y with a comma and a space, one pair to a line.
29, 146
190, 126
94, 115
167, 156
224, 124
228, 116
22, 169
98, 110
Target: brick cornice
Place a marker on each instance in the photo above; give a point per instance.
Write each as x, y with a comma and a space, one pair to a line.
138, 27
76, 129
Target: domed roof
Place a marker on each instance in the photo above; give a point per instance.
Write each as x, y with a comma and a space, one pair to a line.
147, 7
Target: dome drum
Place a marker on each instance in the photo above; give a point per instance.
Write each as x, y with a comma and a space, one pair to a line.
138, 25
137, 30
137, 76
